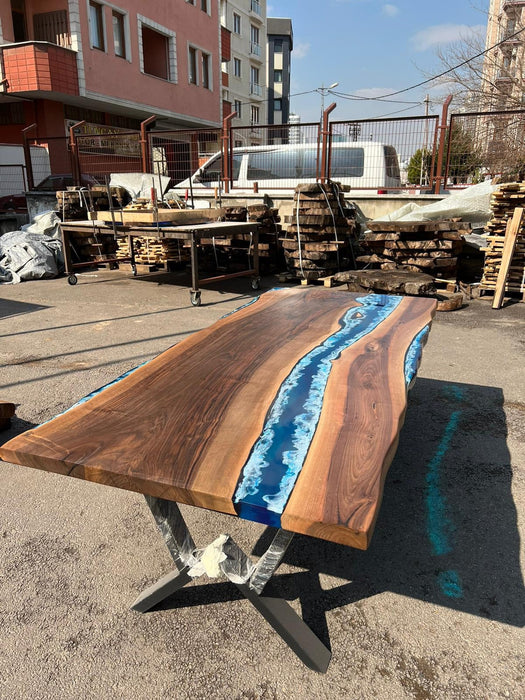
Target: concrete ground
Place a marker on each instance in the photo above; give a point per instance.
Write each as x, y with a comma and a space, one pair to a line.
435, 607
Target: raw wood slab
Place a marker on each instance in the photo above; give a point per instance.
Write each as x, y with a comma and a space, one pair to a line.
212, 421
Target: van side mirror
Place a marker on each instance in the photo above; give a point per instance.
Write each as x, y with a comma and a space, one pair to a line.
198, 175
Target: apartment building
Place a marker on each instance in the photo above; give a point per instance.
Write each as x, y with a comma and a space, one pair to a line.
109, 63
244, 76
504, 67
280, 47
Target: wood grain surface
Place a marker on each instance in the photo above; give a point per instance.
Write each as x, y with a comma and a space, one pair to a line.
286, 412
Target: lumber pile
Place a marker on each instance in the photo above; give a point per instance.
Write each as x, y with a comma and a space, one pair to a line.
401, 282
74, 204
318, 233
153, 251
431, 247
269, 231
503, 203
90, 246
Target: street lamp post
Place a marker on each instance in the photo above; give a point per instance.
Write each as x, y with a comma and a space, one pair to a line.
323, 91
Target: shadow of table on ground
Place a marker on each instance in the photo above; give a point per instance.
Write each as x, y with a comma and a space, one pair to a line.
447, 531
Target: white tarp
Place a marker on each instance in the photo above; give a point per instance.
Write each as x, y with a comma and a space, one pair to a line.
140, 184
471, 204
35, 252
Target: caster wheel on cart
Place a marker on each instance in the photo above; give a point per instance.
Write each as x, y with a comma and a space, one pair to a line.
256, 283
72, 279
195, 298
134, 270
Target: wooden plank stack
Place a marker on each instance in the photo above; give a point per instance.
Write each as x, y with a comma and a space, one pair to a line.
431, 247
269, 231
74, 204
318, 233
154, 251
91, 246
503, 202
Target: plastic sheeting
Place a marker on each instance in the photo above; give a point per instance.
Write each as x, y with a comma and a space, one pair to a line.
35, 252
140, 184
471, 204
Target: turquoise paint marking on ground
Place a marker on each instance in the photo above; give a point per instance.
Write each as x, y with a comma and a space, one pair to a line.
440, 527
450, 584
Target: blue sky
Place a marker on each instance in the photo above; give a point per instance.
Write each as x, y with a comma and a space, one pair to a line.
371, 48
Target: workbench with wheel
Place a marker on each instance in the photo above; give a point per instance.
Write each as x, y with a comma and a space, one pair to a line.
192, 234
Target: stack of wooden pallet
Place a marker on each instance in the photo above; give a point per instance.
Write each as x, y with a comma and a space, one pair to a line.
153, 251
503, 203
269, 231
317, 240
431, 247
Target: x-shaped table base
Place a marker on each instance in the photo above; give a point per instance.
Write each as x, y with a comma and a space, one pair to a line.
225, 557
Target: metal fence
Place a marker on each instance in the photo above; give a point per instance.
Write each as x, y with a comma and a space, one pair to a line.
365, 154
376, 153
49, 156
485, 144
13, 179
180, 154
100, 154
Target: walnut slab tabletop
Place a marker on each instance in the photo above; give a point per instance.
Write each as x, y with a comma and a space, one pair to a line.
286, 412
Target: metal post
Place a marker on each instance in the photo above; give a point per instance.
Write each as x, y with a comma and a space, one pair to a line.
227, 153
325, 143
75, 162
27, 157
144, 142
442, 138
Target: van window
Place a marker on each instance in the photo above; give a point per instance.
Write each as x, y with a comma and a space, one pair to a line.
347, 162
274, 165
392, 163
213, 171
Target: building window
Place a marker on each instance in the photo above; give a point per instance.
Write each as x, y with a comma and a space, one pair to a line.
237, 67
119, 34
155, 52
96, 25
237, 106
278, 105
204, 5
278, 46
190, 2
236, 23
192, 65
255, 88
256, 7
255, 46
254, 115
206, 71
277, 76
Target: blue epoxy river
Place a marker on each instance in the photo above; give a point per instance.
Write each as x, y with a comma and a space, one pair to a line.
277, 457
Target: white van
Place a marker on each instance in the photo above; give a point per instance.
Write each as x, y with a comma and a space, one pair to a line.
363, 165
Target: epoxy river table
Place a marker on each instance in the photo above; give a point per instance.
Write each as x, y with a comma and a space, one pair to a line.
286, 412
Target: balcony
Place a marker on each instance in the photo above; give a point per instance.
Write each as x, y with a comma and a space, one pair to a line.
255, 89
38, 66
255, 49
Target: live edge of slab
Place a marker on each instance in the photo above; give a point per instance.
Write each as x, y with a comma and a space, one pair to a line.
202, 423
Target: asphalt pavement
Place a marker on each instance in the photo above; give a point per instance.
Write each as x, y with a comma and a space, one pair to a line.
435, 608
